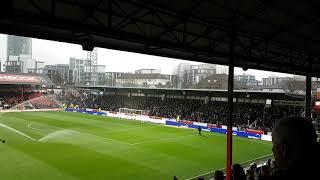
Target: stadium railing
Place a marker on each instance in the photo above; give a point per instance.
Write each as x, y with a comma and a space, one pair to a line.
259, 161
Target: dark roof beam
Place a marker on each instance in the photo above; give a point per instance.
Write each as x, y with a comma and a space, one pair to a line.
166, 27
40, 10
91, 11
187, 12
110, 9
274, 26
127, 20
53, 8
131, 19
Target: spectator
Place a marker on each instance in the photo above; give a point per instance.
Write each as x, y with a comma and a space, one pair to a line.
264, 173
273, 165
250, 174
218, 175
238, 172
295, 149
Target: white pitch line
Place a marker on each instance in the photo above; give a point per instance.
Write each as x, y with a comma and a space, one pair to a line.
224, 168
19, 132
164, 139
30, 126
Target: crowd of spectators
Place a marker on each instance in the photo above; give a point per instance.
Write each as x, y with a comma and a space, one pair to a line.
253, 172
10, 101
245, 114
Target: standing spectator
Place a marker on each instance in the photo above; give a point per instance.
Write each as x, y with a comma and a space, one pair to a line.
238, 172
218, 175
295, 149
250, 175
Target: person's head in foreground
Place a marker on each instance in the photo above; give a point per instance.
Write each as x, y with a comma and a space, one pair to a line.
218, 175
238, 172
295, 145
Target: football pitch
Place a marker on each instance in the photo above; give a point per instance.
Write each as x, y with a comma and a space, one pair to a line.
72, 146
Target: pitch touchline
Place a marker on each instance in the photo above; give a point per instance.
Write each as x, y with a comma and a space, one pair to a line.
224, 168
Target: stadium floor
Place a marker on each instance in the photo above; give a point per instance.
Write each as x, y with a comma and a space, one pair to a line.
69, 146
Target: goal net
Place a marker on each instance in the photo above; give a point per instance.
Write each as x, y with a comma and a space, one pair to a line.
133, 111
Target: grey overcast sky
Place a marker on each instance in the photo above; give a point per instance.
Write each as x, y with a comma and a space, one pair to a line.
52, 52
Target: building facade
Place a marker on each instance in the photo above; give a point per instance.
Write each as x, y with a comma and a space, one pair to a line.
189, 75
221, 69
273, 80
38, 69
19, 55
86, 73
144, 80
111, 77
17, 45
148, 71
182, 71
20, 64
247, 79
199, 72
59, 73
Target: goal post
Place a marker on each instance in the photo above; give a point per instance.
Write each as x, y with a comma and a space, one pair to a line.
133, 111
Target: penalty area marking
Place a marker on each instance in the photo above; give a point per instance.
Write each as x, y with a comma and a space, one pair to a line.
204, 174
39, 129
16, 131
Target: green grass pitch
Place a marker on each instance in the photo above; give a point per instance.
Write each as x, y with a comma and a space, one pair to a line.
72, 146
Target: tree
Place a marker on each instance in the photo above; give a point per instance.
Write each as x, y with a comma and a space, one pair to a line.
57, 79
185, 80
293, 85
216, 81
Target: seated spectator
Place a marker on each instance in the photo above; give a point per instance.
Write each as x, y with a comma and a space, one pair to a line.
295, 149
264, 173
250, 174
218, 175
238, 172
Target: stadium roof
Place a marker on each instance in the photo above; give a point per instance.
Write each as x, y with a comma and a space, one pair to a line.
266, 34
31, 79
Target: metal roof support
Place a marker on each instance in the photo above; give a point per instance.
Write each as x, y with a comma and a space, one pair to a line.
109, 14
308, 97
230, 104
308, 91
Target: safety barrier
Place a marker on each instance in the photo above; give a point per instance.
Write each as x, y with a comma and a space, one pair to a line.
205, 127
87, 111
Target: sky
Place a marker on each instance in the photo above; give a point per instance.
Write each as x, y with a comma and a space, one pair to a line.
53, 52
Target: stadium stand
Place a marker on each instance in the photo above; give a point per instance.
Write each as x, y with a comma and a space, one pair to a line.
44, 102
192, 110
19, 91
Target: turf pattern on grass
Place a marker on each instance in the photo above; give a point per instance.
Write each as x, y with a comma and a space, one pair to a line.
65, 145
